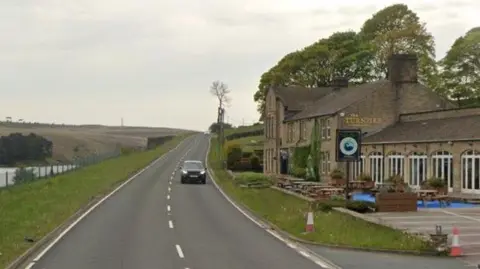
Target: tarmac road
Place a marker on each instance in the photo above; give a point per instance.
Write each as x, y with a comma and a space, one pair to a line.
146, 226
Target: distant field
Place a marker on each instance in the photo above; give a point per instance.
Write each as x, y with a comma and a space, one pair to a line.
243, 129
87, 139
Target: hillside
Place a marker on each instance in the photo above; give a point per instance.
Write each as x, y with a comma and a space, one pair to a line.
87, 139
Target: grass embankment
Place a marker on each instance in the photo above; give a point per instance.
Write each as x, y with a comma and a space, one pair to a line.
36, 208
243, 129
288, 213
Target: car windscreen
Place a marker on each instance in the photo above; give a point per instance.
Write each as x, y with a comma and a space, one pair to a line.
192, 166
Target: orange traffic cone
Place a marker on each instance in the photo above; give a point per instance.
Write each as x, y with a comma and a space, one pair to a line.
309, 227
455, 250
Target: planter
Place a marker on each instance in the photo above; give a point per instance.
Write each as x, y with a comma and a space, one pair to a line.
369, 184
338, 181
396, 202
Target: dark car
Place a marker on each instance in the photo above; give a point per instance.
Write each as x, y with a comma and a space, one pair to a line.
193, 171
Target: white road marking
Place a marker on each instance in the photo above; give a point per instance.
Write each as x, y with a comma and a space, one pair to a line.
168, 197
314, 257
170, 182
168, 208
169, 189
30, 265
179, 251
73, 224
170, 224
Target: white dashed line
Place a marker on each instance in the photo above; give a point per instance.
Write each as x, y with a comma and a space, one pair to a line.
168, 197
170, 224
168, 208
179, 251
169, 189
170, 182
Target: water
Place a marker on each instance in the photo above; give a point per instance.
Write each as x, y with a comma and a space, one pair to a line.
39, 171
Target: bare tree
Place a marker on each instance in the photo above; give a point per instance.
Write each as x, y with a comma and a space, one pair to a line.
221, 91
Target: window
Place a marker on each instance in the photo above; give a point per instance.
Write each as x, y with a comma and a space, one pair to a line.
272, 127
396, 164
328, 129
328, 161
471, 172
323, 129
290, 132
376, 167
358, 167
443, 167
418, 169
303, 130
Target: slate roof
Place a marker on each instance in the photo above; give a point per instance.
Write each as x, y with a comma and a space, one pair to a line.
339, 99
296, 98
445, 129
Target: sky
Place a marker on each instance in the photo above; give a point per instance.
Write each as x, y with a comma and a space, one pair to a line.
151, 62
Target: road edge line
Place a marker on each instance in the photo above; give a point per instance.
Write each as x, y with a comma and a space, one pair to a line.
38, 250
314, 257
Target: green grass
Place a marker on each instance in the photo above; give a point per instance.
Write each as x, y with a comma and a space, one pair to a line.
36, 208
250, 143
287, 212
243, 129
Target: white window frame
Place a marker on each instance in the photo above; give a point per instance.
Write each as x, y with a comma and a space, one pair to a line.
416, 177
376, 167
394, 160
469, 160
438, 159
328, 129
358, 168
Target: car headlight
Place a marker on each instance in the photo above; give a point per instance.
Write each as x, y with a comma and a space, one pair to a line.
203, 172
184, 172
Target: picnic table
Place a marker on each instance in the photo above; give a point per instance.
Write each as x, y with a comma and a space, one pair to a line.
432, 195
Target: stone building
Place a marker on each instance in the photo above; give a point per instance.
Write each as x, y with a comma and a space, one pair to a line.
408, 130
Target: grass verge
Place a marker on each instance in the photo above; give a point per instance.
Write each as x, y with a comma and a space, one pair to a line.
288, 213
36, 208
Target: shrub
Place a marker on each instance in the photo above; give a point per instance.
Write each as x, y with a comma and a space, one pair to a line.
255, 163
234, 154
365, 177
337, 174
361, 206
435, 182
298, 172
23, 175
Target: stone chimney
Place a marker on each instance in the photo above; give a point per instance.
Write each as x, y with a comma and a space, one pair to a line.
402, 68
339, 82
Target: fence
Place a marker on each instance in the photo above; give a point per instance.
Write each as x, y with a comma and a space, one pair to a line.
7, 174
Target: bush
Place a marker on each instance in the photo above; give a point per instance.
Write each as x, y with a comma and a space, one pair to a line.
298, 172
365, 177
23, 175
234, 155
255, 163
361, 206
337, 174
435, 182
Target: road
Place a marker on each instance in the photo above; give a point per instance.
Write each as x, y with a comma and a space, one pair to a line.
156, 222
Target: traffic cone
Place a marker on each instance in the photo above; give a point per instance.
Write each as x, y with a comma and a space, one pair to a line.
455, 250
309, 227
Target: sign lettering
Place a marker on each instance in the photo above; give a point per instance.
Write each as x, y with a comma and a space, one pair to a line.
356, 120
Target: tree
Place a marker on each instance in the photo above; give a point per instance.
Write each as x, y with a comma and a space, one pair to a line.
221, 91
215, 128
397, 29
342, 54
461, 69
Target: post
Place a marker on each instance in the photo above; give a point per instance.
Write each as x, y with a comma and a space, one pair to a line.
347, 180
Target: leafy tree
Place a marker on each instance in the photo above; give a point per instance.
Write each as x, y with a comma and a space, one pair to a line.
397, 29
342, 54
461, 69
16, 148
215, 127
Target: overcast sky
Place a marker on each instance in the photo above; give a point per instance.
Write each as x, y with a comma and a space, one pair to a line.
152, 61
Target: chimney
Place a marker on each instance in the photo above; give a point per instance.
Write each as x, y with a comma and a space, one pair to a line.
339, 82
402, 68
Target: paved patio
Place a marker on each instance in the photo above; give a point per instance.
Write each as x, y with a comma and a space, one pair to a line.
467, 220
